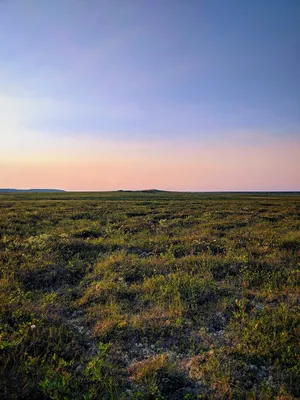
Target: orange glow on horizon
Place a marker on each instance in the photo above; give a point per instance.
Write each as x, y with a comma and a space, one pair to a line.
195, 168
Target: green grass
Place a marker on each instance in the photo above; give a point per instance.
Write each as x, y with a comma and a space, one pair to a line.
149, 296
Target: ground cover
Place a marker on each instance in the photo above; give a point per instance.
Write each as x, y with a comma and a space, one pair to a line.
150, 295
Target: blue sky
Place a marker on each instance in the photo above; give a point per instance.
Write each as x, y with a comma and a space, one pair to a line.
139, 71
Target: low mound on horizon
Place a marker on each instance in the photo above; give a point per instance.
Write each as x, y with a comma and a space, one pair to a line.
8, 190
144, 191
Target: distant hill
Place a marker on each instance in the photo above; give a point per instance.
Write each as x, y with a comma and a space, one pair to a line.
143, 191
32, 191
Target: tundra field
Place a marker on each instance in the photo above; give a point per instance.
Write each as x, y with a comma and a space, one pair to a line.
149, 296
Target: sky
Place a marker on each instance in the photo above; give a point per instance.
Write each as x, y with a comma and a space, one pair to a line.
191, 95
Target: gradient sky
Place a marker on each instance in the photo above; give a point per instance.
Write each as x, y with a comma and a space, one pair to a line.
129, 94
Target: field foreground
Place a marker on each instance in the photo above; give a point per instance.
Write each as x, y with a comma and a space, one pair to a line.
149, 296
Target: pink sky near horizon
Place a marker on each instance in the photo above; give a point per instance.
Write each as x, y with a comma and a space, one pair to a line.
89, 165
218, 161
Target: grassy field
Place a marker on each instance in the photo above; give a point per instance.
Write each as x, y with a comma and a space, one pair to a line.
149, 296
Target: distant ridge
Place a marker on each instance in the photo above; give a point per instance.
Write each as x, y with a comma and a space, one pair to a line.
144, 191
31, 191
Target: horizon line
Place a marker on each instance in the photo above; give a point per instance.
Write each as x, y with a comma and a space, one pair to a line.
155, 190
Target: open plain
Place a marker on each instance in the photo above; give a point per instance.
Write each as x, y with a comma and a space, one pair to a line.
149, 295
